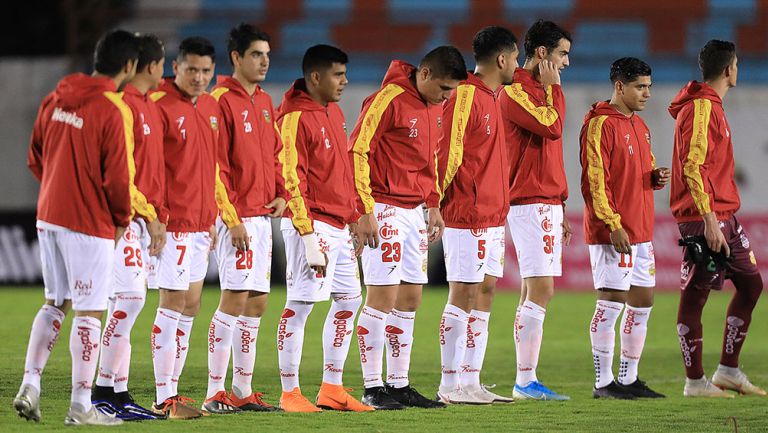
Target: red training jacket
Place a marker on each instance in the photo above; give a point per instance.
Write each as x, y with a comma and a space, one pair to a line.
394, 144
473, 170
616, 175
315, 159
702, 160
533, 123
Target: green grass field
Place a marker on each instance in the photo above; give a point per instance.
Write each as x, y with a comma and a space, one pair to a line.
565, 365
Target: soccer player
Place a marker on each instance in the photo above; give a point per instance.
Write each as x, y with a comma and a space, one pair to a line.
473, 175
136, 246
393, 150
82, 154
702, 163
320, 256
251, 190
534, 113
190, 122
618, 177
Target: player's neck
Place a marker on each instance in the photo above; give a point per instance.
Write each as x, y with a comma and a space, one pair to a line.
720, 85
620, 107
532, 65
141, 83
315, 95
250, 87
488, 76
117, 79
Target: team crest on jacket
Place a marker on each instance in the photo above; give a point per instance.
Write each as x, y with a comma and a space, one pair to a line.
214, 123
267, 116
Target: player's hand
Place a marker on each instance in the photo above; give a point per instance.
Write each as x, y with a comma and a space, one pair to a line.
157, 236
368, 231
240, 238
355, 241
213, 236
316, 258
714, 236
435, 224
278, 207
567, 231
620, 241
549, 73
661, 176
119, 231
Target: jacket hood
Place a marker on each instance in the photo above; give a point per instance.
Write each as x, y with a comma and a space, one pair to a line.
522, 75
232, 84
604, 108
477, 82
400, 73
692, 90
297, 99
74, 90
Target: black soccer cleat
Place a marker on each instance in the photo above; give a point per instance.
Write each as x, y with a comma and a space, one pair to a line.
638, 388
378, 398
613, 390
408, 396
133, 411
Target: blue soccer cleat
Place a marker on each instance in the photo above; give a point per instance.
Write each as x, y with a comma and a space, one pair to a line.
536, 391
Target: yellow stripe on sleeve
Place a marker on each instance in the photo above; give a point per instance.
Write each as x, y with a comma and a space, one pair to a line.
228, 211
362, 146
596, 175
289, 156
697, 154
217, 92
461, 112
545, 115
155, 96
139, 203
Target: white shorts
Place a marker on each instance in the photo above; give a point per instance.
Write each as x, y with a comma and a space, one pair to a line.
76, 266
184, 260
537, 232
151, 272
471, 254
403, 246
245, 270
131, 259
612, 270
342, 274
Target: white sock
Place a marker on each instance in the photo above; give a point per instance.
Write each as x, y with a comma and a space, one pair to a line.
116, 339
84, 349
633, 332
530, 330
244, 354
602, 334
453, 339
290, 341
219, 348
399, 339
337, 335
370, 340
474, 354
164, 351
121, 379
515, 329
183, 332
42, 338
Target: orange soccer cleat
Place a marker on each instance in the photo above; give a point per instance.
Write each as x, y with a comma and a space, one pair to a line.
294, 401
336, 397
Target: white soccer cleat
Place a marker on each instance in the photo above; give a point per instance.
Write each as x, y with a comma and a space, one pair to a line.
459, 396
27, 403
77, 416
483, 393
703, 388
725, 378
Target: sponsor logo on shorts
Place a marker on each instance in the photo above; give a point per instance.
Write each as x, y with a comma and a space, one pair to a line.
733, 336
341, 331
546, 224
386, 231
84, 288
179, 236
130, 235
478, 233
388, 212
282, 332
423, 246
544, 209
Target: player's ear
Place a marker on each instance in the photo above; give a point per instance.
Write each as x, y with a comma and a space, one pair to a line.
314, 77
541, 52
234, 56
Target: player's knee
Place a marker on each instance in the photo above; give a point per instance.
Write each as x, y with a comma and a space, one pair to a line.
749, 286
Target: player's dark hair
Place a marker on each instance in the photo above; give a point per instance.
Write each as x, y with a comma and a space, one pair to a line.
544, 34
492, 41
322, 57
196, 45
715, 57
628, 69
445, 61
151, 49
242, 36
114, 50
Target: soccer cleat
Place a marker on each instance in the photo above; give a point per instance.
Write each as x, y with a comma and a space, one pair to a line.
482, 392
638, 388
613, 390
177, 407
27, 403
132, 411
336, 397
378, 398
408, 396
220, 404
253, 403
738, 381
703, 388
460, 396
294, 401
77, 415
536, 390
